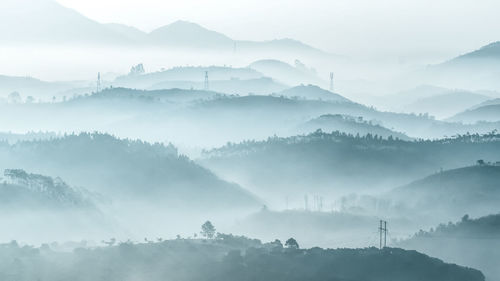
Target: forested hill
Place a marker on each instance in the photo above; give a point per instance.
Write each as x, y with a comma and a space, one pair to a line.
125, 168
471, 242
473, 189
22, 190
226, 258
348, 124
329, 162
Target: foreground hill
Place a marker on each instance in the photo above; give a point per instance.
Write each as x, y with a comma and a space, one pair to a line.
126, 169
490, 112
318, 225
227, 258
470, 242
329, 163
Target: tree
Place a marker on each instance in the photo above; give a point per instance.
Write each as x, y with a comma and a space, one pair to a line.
292, 243
137, 70
30, 99
208, 230
14, 97
480, 162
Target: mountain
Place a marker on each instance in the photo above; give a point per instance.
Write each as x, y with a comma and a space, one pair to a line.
478, 69
488, 52
29, 86
130, 32
445, 104
473, 190
125, 169
331, 164
259, 86
191, 73
489, 113
26, 22
182, 33
22, 190
226, 258
286, 73
312, 92
349, 125
488, 102
469, 242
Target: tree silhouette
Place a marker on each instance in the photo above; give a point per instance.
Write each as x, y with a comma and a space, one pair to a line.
292, 243
208, 230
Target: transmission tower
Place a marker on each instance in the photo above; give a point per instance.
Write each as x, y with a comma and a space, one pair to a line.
331, 81
98, 82
383, 232
205, 86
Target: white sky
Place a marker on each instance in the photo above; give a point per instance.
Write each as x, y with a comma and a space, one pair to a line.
433, 29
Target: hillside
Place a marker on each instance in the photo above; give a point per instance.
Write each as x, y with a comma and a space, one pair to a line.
259, 86
227, 258
191, 73
476, 69
29, 86
483, 113
125, 169
25, 22
332, 163
473, 190
312, 92
470, 242
349, 125
21, 190
182, 33
286, 73
445, 105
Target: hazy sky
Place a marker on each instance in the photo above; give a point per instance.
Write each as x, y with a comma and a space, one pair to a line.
433, 29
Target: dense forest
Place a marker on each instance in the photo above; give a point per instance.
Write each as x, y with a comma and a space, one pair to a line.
333, 162
225, 258
471, 241
122, 168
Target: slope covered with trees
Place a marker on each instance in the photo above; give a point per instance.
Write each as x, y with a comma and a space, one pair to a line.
335, 162
226, 258
125, 169
474, 190
469, 242
348, 125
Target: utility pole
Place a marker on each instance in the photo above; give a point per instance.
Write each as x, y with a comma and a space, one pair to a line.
98, 82
331, 81
383, 231
205, 86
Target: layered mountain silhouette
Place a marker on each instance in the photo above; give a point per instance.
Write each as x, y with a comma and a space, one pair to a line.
26, 22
